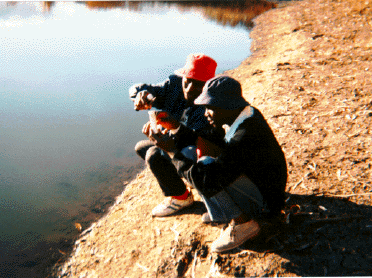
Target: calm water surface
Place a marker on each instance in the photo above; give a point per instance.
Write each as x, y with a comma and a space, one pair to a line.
67, 126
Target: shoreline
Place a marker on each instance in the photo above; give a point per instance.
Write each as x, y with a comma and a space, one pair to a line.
299, 75
53, 248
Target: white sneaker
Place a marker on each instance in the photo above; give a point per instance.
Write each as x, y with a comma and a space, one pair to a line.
235, 235
171, 205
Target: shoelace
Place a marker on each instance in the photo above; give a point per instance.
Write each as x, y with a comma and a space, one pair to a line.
168, 201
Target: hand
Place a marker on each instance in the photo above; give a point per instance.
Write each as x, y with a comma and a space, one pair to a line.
167, 121
146, 128
163, 140
143, 101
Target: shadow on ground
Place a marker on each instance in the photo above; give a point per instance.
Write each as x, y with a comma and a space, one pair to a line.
318, 236
197, 208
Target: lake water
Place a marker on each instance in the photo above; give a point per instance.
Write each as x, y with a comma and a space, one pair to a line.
67, 126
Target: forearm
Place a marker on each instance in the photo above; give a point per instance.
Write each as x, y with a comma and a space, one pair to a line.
155, 91
206, 175
184, 137
209, 174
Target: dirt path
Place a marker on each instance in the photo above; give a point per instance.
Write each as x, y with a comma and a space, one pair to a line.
311, 76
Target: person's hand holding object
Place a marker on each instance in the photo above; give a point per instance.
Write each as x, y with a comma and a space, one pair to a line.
146, 128
143, 101
162, 139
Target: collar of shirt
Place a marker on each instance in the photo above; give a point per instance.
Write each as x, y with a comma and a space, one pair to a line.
230, 131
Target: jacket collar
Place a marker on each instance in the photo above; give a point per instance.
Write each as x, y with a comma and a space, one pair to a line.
230, 131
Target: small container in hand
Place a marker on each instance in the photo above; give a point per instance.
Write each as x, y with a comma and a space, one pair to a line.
153, 121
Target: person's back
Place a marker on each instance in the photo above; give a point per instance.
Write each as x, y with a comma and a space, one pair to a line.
259, 156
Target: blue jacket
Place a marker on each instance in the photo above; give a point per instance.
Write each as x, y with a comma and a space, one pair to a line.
170, 98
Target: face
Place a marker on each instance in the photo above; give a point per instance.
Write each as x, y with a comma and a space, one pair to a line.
215, 116
192, 88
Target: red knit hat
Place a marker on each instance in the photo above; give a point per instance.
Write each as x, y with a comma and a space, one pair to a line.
199, 67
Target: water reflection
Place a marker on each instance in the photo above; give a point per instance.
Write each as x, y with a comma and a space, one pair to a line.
226, 13
229, 13
67, 128
47, 5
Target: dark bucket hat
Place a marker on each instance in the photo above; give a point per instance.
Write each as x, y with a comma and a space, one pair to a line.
222, 92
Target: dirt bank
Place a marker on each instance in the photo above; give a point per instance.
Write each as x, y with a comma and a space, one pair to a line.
311, 76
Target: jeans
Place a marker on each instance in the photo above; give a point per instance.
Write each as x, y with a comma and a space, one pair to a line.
242, 196
162, 167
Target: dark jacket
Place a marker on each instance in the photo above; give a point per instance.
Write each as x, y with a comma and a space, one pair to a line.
170, 98
250, 148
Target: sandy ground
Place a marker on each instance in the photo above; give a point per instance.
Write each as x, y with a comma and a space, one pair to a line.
310, 74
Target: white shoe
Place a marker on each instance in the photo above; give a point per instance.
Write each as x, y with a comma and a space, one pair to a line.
171, 205
235, 235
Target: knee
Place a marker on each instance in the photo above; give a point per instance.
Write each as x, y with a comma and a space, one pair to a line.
138, 147
142, 147
153, 155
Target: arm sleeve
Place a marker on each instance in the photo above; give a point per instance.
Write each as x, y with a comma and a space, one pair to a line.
185, 136
159, 91
211, 175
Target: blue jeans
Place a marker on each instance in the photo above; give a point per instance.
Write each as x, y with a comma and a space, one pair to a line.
242, 196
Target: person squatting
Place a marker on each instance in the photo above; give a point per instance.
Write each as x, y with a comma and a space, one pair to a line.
231, 158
